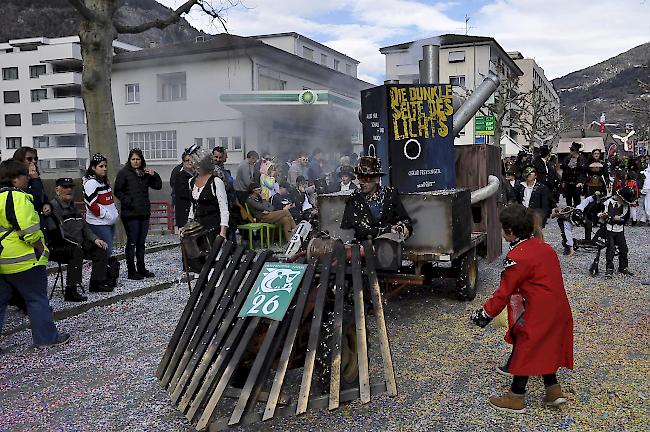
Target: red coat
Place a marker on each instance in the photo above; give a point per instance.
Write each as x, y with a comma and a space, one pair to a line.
542, 337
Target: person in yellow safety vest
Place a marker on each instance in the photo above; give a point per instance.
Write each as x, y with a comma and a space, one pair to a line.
23, 255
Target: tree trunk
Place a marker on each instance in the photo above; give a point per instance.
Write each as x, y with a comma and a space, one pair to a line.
96, 38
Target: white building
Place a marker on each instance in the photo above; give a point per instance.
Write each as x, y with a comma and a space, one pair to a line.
279, 93
42, 105
534, 78
464, 62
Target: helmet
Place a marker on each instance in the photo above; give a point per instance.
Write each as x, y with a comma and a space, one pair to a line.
577, 217
201, 157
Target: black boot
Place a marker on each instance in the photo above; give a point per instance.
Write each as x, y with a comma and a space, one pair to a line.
99, 286
134, 275
72, 295
112, 272
139, 254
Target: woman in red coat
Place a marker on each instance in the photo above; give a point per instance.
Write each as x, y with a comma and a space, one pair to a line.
539, 315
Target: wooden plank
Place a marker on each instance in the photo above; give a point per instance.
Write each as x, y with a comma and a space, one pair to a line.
254, 373
196, 315
315, 403
216, 320
206, 317
375, 295
187, 310
215, 345
360, 321
296, 319
314, 332
337, 328
215, 397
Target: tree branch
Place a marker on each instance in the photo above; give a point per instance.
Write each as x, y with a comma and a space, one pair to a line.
80, 6
159, 23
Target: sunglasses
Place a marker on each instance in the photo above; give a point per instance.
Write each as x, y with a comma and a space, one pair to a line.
365, 178
32, 159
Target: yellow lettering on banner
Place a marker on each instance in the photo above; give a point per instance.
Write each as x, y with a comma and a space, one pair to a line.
420, 111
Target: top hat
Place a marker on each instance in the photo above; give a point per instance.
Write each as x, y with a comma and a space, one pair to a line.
627, 194
64, 181
575, 146
368, 166
527, 170
346, 170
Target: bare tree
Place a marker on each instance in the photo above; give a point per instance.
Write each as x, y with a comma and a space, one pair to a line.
97, 30
537, 119
505, 100
640, 111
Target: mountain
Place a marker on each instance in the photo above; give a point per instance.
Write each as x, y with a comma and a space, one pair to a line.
605, 87
56, 18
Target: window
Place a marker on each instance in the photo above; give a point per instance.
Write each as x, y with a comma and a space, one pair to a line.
198, 141
39, 118
323, 59
70, 141
337, 64
308, 53
172, 87
12, 96
41, 141
36, 71
236, 143
269, 83
14, 142
69, 163
38, 94
212, 142
456, 56
223, 142
132, 93
12, 119
10, 73
458, 80
154, 145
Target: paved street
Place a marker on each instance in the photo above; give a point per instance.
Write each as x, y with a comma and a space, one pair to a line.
104, 379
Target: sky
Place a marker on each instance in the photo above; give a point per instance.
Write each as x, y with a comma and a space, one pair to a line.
563, 36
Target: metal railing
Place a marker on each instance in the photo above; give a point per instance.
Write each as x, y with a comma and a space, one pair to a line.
162, 213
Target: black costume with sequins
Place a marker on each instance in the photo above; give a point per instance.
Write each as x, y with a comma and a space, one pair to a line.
370, 215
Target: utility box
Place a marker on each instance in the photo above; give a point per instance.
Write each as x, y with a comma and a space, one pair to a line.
409, 127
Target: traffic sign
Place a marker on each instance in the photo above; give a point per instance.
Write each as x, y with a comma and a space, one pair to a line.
484, 125
273, 290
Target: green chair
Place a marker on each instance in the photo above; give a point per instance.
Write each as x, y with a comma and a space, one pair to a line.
253, 227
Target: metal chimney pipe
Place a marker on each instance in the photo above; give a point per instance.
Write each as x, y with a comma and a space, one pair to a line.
430, 65
475, 101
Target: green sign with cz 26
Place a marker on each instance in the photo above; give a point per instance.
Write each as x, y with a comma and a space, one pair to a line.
484, 125
273, 290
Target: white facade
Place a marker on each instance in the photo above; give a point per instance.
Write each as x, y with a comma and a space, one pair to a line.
41, 102
464, 62
534, 77
311, 50
235, 92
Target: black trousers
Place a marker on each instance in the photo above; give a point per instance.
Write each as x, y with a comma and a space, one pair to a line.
572, 195
519, 382
616, 239
89, 251
136, 235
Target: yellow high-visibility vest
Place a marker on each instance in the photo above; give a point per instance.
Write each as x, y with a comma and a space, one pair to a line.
20, 226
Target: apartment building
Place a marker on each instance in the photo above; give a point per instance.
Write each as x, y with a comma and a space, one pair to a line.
534, 78
242, 93
464, 62
41, 101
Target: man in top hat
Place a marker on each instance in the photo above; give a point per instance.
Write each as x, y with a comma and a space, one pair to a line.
373, 209
617, 212
574, 171
72, 240
533, 194
345, 184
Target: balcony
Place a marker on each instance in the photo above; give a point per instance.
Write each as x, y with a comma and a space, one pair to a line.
54, 153
65, 79
69, 53
61, 129
62, 104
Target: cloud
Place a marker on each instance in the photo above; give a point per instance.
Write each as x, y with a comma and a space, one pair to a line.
563, 36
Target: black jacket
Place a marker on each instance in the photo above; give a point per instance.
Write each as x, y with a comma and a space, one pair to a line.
508, 192
357, 214
182, 197
574, 175
539, 199
72, 224
133, 192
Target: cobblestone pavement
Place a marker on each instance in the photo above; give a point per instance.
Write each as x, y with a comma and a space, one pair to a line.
103, 380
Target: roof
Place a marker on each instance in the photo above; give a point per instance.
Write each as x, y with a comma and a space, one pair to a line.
589, 144
299, 36
447, 40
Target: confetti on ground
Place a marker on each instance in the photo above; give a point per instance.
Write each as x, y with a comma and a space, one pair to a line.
103, 380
